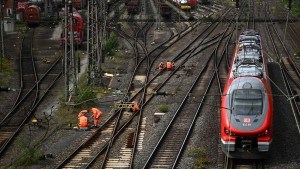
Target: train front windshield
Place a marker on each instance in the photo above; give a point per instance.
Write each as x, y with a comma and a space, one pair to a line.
247, 102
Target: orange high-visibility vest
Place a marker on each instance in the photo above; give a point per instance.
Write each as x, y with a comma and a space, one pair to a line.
96, 113
169, 65
83, 121
135, 106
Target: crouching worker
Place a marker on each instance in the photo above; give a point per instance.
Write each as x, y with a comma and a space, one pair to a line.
135, 107
161, 66
83, 120
170, 65
96, 113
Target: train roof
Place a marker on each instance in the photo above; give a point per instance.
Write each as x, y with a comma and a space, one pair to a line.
249, 32
248, 59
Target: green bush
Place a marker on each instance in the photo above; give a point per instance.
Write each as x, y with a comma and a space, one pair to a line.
110, 44
85, 93
28, 154
32, 156
163, 108
6, 72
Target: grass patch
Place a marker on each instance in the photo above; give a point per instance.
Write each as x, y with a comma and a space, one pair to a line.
208, 19
273, 9
297, 53
108, 70
109, 45
177, 89
201, 159
87, 96
27, 153
163, 108
6, 72
21, 27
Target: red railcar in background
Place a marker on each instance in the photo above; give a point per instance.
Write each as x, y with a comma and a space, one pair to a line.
78, 29
22, 5
32, 15
79, 4
186, 4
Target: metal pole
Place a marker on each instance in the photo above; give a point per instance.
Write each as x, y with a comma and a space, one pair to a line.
65, 39
2, 43
88, 40
73, 60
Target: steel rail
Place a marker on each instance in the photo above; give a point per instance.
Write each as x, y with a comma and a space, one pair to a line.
285, 73
11, 124
115, 113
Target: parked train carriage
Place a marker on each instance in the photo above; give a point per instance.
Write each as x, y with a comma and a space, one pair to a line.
247, 105
39, 3
32, 15
132, 6
164, 9
78, 29
21, 6
79, 4
186, 4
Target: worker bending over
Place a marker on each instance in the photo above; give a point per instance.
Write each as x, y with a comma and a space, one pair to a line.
96, 113
83, 120
135, 107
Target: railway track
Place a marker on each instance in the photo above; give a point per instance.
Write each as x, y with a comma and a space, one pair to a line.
71, 162
289, 72
130, 126
169, 148
127, 147
29, 96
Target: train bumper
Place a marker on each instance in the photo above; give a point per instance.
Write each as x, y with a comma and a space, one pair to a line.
232, 150
263, 146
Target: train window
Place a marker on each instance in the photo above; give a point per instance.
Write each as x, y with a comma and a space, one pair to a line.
8, 11
247, 102
75, 21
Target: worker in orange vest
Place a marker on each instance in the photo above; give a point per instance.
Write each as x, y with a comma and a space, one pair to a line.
96, 113
135, 107
161, 66
82, 112
169, 65
83, 120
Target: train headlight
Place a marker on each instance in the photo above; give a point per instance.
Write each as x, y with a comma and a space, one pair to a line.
228, 132
266, 132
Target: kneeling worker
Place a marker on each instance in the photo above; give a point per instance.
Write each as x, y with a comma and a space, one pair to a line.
161, 66
83, 121
170, 65
96, 113
135, 107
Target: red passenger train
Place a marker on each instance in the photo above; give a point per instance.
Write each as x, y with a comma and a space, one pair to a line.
247, 105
